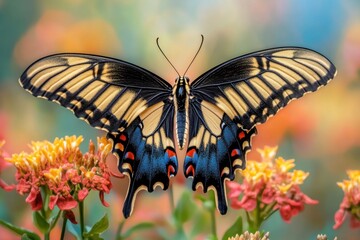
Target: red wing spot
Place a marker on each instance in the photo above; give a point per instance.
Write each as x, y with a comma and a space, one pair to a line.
235, 152
130, 155
170, 153
191, 153
171, 170
122, 137
241, 135
190, 171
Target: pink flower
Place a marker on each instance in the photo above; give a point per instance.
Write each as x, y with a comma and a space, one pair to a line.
63, 171
270, 185
70, 216
34, 199
3, 165
350, 204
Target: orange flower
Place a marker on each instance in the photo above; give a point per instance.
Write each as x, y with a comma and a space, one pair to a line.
4, 164
269, 185
350, 204
64, 170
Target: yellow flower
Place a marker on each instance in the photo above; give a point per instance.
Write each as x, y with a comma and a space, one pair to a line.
284, 188
283, 165
54, 174
257, 171
268, 153
104, 145
353, 182
298, 176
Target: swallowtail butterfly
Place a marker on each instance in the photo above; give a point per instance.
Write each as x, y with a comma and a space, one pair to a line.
215, 114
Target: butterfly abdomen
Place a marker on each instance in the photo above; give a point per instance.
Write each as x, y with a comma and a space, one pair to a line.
181, 101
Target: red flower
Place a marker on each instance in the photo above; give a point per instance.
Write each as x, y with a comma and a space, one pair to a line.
268, 186
350, 204
63, 172
34, 199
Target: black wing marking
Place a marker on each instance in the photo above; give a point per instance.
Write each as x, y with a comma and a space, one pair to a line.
217, 147
107, 93
145, 152
253, 87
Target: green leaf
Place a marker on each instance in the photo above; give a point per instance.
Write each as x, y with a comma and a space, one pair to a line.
135, 228
202, 223
185, 208
19, 230
25, 237
212, 237
40, 222
99, 227
236, 228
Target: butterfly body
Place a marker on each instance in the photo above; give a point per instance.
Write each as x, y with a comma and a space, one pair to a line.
181, 95
215, 115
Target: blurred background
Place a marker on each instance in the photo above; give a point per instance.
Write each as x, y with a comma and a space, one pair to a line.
321, 131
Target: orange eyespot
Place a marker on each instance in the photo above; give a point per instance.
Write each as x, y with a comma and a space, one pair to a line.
191, 153
241, 135
171, 170
122, 137
170, 153
130, 155
234, 152
190, 171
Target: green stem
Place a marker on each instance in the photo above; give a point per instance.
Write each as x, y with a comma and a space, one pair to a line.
63, 228
213, 223
47, 236
82, 223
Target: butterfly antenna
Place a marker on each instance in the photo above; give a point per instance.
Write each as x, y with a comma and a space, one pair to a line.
202, 40
157, 42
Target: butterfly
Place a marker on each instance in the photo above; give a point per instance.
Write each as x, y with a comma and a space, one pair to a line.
215, 115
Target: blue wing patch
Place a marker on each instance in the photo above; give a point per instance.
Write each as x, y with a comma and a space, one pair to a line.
145, 152
216, 149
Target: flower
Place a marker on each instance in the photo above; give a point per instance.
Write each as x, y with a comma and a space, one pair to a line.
270, 185
61, 170
250, 236
3, 165
350, 205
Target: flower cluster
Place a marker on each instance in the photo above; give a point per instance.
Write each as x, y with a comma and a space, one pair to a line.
350, 204
250, 236
269, 185
3, 165
62, 172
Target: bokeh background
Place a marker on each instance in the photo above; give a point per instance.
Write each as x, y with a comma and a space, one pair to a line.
321, 131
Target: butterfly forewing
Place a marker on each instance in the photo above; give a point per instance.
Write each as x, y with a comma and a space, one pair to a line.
253, 87
107, 93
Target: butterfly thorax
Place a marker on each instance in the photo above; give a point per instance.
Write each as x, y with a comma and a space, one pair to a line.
181, 93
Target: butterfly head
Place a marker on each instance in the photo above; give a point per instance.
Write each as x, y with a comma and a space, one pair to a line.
182, 80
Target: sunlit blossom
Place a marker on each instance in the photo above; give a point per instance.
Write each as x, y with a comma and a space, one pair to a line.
250, 236
350, 205
59, 167
4, 164
270, 185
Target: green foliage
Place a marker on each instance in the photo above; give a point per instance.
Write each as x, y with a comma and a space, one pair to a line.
20, 231
138, 227
98, 228
40, 222
236, 228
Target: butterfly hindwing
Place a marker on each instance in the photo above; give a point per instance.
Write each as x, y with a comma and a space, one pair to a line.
145, 152
217, 147
105, 92
253, 87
